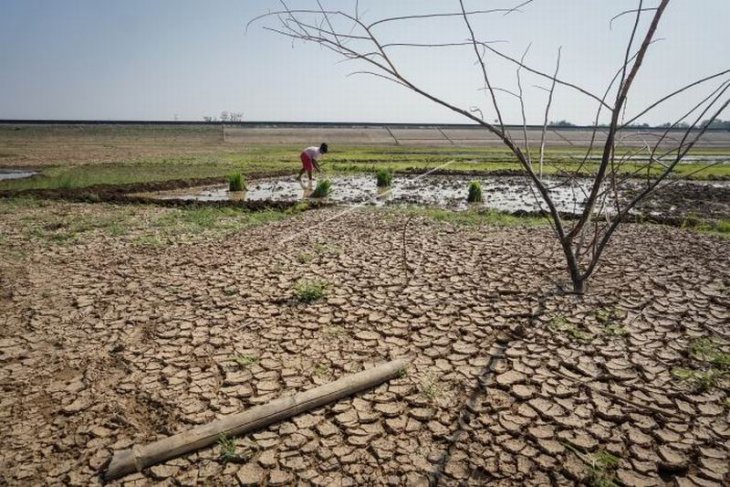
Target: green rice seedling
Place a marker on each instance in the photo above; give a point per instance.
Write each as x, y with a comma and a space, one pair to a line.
384, 178
323, 189
310, 291
236, 183
475, 192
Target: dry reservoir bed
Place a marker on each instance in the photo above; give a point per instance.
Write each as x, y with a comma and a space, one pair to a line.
108, 342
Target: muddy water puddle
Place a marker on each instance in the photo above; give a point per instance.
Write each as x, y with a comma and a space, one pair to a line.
502, 193
15, 174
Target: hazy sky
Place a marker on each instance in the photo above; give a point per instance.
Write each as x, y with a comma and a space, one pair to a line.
158, 59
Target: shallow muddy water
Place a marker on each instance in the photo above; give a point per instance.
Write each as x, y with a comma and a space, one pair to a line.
501, 193
15, 174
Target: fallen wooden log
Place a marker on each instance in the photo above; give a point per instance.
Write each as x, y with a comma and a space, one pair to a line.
137, 457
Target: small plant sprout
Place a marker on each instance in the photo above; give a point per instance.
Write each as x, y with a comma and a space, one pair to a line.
705, 350
475, 192
560, 324
601, 466
429, 389
322, 370
384, 178
304, 258
235, 182
245, 360
228, 448
310, 291
323, 189
615, 330
609, 315
701, 380
601, 469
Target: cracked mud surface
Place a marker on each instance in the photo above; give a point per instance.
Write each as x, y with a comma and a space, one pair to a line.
105, 343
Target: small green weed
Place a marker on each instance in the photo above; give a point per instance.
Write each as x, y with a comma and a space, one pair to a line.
701, 380
228, 448
322, 370
236, 183
229, 451
149, 240
615, 329
706, 350
323, 189
384, 178
560, 324
601, 469
430, 389
310, 291
245, 360
475, 192
305, 258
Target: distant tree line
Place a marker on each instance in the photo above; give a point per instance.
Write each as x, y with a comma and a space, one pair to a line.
713, 124
225, 117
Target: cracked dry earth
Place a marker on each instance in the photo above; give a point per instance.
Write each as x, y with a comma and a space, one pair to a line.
106, 344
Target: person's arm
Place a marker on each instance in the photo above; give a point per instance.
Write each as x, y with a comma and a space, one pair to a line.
316, 164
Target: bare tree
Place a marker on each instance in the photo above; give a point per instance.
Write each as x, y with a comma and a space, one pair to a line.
605, 205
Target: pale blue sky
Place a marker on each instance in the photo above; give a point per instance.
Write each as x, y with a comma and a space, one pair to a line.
155, 59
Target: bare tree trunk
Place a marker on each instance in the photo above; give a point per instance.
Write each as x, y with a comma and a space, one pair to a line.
582, 242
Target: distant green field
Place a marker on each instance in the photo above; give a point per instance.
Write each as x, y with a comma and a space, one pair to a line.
352, 159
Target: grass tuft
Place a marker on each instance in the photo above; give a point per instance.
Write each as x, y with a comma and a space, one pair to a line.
229, 451
310, 291
322, 370
601, 469
701, 380
430, 389
245, 360
475, 192
706, 350
560, 324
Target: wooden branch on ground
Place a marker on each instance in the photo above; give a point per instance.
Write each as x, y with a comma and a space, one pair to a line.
138, 457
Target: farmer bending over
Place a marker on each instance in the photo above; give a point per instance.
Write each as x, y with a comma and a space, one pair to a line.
309, 157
